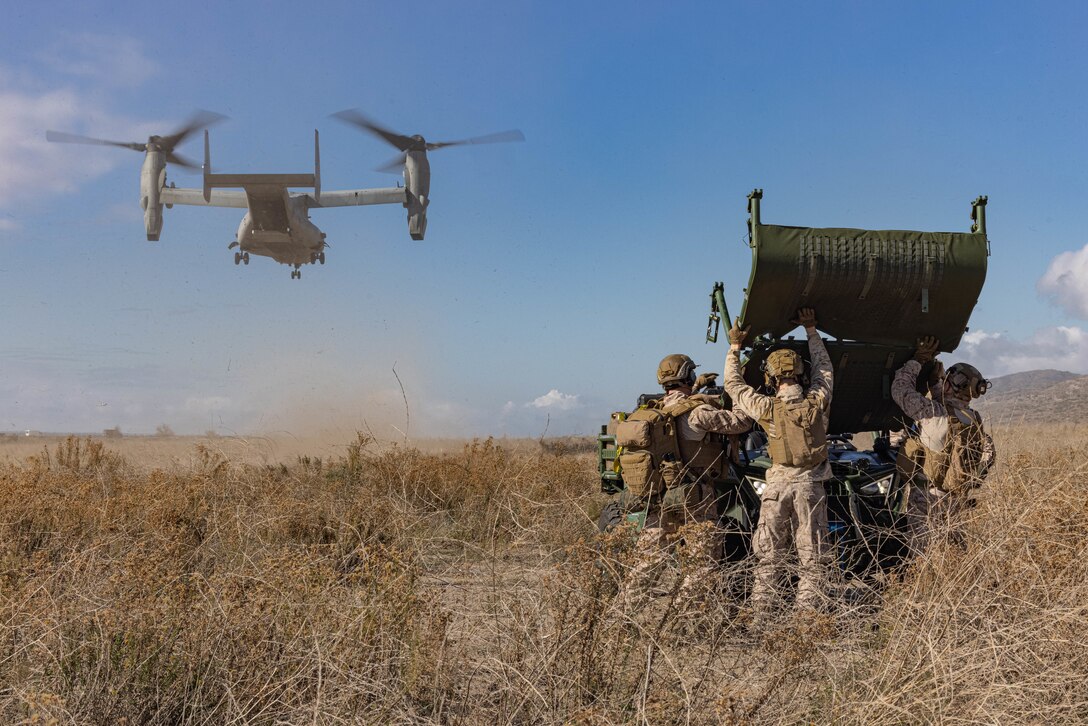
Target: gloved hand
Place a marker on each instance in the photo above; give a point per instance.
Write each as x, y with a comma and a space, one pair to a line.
806, 317
736, 335
927, 349
705, 380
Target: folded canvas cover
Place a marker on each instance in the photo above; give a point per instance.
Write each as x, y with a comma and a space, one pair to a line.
877, 286
876, 291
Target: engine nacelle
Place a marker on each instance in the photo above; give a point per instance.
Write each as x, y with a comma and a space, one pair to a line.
417, 182
417, 218
152, 180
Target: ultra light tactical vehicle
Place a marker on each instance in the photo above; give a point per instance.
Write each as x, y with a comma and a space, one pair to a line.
875, 293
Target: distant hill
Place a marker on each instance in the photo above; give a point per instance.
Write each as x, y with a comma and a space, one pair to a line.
1042, 396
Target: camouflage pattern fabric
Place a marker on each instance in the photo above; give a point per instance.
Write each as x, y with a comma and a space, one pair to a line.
930, 413
691, 533
706, 419
927, 506
759, 406
793, 505
690, 522
930, 512
793, 512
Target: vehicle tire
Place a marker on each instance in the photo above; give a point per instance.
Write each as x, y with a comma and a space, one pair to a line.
611, 517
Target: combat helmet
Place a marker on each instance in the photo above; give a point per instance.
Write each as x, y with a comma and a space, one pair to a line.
782, 363
676, 369
964, 378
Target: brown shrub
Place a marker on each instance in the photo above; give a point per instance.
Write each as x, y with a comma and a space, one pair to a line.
390, 585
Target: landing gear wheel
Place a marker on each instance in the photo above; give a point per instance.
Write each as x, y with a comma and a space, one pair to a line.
245, 257
237, 257
321, 257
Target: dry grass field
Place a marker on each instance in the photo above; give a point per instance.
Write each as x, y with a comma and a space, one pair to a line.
385, 584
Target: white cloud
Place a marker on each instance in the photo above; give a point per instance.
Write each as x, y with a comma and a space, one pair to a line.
30, 166
28, 163
556, 401
553, 414
1065, 282
995, 354
976, 338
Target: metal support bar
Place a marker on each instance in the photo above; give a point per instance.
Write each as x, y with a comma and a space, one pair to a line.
317, 167
718, 310
978, 214
753, 216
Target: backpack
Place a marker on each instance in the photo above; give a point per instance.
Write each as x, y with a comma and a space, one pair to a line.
799, 437
956, 468
650, 454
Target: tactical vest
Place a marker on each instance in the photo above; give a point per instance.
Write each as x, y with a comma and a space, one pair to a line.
796, 433
956, 467
654, 456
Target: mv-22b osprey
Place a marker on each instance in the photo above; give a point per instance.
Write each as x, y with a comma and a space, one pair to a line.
277, 223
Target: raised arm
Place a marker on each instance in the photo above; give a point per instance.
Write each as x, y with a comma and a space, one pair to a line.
904, 387
754, 404
717, 420
823, 375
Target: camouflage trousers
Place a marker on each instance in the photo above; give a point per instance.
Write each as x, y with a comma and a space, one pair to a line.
791, 512
931, 511
681, 525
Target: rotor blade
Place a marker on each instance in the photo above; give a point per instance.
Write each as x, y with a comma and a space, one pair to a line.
355, 118
199, 120
394, 165
178, 160
66, 138
496, 138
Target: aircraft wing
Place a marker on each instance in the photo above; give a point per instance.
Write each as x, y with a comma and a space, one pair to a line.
265, 201
195, 197
357, 197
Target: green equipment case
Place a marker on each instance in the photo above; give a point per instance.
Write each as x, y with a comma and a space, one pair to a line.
874, 291
879, 286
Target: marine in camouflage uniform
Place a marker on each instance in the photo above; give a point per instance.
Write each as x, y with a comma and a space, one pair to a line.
793, 504
949, 453
686, 514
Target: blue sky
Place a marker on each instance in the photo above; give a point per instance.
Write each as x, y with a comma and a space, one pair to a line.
555, 273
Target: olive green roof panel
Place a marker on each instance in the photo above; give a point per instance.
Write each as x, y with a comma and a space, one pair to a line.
887, 287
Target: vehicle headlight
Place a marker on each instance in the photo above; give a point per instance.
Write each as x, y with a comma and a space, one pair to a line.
878, 486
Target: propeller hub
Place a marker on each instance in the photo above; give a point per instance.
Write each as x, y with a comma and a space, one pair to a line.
416, 142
